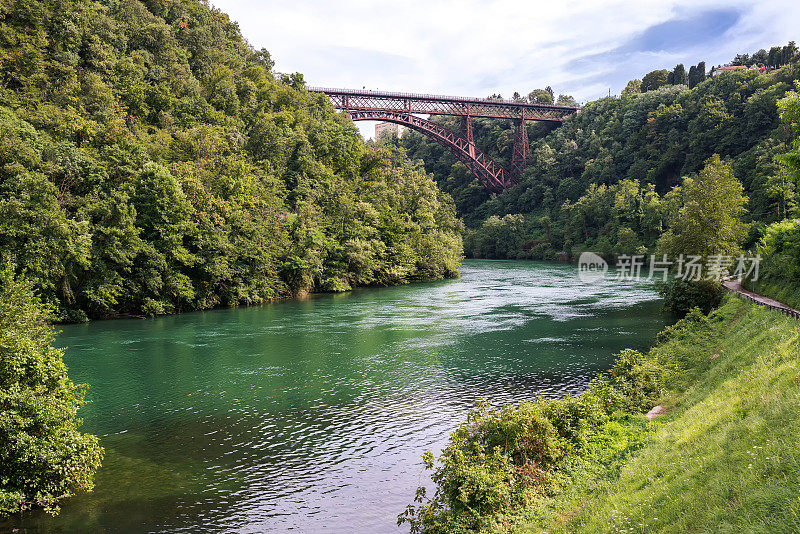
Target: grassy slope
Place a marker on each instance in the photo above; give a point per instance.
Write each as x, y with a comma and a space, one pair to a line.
787, 294
725, 458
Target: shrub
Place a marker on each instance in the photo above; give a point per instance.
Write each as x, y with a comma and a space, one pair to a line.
633, 385
501, 458
680, 296
43, 457
498, 459
690, 322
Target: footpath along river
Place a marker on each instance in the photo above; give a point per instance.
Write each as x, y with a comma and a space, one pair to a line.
311, 415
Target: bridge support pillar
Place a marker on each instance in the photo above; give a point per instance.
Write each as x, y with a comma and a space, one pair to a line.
522, 149
466, 133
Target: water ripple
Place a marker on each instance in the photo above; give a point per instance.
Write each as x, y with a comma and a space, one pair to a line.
312, 415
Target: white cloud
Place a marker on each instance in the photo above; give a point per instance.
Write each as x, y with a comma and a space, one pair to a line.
478, 47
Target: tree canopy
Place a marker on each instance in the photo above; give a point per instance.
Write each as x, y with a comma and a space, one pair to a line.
655, 79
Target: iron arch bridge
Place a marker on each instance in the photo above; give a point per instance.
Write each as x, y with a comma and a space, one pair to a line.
404, 108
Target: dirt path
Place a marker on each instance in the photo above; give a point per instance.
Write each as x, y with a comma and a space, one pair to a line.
736, 286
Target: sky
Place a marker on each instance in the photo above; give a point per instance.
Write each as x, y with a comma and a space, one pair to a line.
584, 48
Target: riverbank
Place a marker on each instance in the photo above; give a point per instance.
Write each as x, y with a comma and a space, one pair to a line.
283, 297
723, 457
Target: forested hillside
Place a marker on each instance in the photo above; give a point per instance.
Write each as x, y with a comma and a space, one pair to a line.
151, 162
600, 181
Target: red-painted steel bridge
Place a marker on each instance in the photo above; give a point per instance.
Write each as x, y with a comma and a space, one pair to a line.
405, 108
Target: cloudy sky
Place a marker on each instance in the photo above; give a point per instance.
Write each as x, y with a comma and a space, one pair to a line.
478, 47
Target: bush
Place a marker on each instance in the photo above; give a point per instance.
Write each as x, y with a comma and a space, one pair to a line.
633, 385
43, 457
680, 296
503, 461
691, 322
501, 458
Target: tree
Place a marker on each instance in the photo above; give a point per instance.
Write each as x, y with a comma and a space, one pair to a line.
654, 79
265, 59
701, 71
43, 456
705, 220
741, 59
789, 107
697, 74
654, 138
782, 189
708, 220
294, 80
789, 52
540, 96
679, 75
788, 178
633, 87
774, 58
779, 276
566, 100
162, 166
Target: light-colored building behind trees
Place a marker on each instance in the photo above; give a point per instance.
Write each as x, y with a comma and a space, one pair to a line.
383, 129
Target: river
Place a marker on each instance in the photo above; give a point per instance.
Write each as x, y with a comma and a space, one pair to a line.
311, 415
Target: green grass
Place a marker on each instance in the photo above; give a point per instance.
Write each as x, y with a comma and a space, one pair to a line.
725, 458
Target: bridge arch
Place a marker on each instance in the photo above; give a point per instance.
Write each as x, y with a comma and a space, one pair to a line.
491, 175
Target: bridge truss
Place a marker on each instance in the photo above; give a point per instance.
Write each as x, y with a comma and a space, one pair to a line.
404, 108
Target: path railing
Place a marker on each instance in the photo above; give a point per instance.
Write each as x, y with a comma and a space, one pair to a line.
736, 287
789, 312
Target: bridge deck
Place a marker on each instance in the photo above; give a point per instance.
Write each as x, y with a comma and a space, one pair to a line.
366, 100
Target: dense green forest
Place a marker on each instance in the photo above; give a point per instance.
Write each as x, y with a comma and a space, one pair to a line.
151, 162
601, 180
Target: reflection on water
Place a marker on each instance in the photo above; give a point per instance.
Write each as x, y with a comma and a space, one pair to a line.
312, 415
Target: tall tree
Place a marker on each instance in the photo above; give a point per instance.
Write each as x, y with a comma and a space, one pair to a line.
789, 52
679, 75
788, 179
633, 87
691, 79
566, 100
708, 219
697, 74
540, 96
701, 71
654, 79
741, 60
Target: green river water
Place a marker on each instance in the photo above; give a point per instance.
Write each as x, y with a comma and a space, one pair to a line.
311, 415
